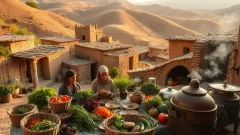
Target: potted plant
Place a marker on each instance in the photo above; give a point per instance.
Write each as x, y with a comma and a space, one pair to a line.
150, 89
38, 97
6, 93
122, 83
114, 72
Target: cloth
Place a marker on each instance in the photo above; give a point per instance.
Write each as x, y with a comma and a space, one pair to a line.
102, 69
99, 85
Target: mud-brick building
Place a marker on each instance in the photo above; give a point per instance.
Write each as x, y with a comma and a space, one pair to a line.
61, 41
188, 53
88, 33
30, 63
109, 54
234, 64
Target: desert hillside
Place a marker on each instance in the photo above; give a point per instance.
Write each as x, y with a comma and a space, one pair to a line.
40, 22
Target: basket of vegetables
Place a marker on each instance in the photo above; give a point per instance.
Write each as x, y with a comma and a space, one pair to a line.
40, 124
18, 112
130, 125
59, 103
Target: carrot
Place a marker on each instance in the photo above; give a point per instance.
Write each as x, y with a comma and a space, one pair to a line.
103, 112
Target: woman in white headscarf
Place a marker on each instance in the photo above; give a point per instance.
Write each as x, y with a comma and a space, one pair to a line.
103, 85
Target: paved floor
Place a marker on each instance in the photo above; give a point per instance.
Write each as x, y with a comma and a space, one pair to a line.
5, 124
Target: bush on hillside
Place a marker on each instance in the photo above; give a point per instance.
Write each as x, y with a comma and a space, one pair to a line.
4, 51
32, 4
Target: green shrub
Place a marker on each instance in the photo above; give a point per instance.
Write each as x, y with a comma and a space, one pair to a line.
32, 4
114, 72
38, 97
83, 94
16, 20
150, 89
122, 83
155, 101
2, 22
5, 89
4, 51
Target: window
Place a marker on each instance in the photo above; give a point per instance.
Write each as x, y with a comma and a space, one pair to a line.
186, 50
130, 63
83, 38
96, 37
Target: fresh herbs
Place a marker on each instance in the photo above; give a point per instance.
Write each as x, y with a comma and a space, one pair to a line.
85, 120
150, 89
43, 125
153, 102
122, 83
118, 123
38, 97
20, 110
5, 89
83, 95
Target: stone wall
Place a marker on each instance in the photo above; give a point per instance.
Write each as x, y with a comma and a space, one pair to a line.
55, 62
85, 72
176, 48
125, 62
9, 68
91, 33
21, 45
155, 51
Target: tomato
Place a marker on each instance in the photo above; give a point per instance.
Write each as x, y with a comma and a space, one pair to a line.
163, 118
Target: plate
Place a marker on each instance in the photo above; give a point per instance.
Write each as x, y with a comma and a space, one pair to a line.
130, 106
104, 101
112, 105
125, 112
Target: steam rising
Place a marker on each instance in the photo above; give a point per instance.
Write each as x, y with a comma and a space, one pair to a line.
218, 56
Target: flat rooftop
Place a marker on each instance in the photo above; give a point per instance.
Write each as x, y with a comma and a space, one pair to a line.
59, 39
78, 62
39, 51
103, 46
15, 38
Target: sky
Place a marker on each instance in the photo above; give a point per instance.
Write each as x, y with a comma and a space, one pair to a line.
190, 4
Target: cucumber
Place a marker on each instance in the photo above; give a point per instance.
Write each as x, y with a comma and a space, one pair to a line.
146, 123
151, 123
139, 123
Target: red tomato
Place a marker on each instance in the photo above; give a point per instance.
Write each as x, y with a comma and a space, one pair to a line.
163, 118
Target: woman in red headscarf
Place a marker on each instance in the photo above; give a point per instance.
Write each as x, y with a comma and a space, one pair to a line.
103, 85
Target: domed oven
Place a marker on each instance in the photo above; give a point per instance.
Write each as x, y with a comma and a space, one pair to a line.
192, 112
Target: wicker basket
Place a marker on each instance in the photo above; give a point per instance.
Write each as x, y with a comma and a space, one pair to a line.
59, 107
16, 118
108, 122
47, 116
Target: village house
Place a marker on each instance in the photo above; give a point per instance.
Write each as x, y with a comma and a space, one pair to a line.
61, 41
187, 53
30, 63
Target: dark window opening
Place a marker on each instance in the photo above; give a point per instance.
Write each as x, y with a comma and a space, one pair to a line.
130, 63
96, 37
186, 50
83, 38
180, 75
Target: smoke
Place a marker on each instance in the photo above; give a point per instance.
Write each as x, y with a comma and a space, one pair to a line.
231, 21
218, 56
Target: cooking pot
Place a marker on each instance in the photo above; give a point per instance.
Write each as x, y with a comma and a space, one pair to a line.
192, 111
167, 93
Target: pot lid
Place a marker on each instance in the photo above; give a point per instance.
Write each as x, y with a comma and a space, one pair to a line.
193, 98
168, 89
224, 87
194, 89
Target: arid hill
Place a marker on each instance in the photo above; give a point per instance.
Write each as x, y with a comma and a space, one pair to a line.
40, 22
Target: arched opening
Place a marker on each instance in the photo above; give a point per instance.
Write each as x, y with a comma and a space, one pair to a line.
180, 75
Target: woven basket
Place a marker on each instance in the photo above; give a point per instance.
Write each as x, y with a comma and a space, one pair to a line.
46, 116
59, 107
64, 119
133, 118
16, 118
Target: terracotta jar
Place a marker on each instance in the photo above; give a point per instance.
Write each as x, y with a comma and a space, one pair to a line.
167, 93
192, 111
136, 97
170, 82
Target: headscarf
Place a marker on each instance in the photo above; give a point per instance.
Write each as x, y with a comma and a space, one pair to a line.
101, 70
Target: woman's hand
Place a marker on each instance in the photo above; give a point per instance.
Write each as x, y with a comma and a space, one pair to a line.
104, 93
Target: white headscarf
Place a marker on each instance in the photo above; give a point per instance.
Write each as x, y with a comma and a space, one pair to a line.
102, 69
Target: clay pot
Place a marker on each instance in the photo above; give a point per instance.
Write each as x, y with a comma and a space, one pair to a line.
170, 82
15, 92
167, 93
6, 99
136, 97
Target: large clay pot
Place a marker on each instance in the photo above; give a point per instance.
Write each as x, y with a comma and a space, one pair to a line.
6, 99
15, 92
136, 97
